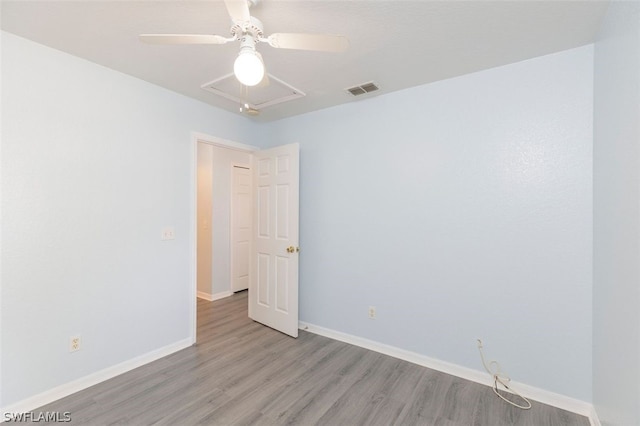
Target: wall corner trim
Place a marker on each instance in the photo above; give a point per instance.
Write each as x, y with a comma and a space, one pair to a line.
540, 395
36, 401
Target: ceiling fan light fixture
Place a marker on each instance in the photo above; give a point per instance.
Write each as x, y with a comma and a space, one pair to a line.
248, 67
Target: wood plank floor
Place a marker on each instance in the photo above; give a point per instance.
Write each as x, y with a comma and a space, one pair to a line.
242, 373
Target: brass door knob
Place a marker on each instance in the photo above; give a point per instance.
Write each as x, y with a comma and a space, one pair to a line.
292, 249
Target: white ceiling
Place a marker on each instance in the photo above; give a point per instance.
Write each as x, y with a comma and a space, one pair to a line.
397, 44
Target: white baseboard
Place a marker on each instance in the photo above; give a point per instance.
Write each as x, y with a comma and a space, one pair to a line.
205, 296
67, 389
546, 397
537, 394
593, 417
221, 295
215, 296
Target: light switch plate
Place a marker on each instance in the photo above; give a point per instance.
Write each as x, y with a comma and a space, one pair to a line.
168, 233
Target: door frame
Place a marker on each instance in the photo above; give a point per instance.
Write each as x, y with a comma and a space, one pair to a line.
193, 213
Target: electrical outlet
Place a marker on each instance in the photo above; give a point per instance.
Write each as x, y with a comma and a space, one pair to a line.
74, 343
372, 312
168, 233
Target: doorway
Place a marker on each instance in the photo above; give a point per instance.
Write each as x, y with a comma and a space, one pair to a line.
220, 236
271, 269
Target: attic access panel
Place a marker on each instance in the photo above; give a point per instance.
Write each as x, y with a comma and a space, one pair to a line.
258, 97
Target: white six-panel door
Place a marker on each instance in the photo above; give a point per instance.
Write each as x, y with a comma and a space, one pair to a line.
241, 220
273, 290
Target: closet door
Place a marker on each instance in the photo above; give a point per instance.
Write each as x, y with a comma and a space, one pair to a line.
241, 221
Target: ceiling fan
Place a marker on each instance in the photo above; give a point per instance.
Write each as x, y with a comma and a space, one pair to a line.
248, 67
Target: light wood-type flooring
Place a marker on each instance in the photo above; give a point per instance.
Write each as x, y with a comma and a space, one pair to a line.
243, 373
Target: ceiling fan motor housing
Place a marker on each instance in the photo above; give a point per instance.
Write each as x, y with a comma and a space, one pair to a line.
252, 28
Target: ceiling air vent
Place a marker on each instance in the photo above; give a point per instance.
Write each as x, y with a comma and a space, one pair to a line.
362, 89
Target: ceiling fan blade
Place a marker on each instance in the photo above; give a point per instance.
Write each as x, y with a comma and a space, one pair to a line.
238, 10
182, 39
318, 42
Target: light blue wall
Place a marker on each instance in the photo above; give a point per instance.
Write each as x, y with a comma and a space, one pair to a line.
616, 295
94, 164
460, 209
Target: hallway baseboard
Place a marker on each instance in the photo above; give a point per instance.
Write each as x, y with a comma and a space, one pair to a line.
216, 296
